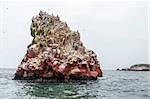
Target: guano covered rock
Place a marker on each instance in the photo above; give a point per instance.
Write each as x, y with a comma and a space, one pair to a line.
56, 53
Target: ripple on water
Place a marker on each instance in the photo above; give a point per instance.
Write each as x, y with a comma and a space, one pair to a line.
114, 85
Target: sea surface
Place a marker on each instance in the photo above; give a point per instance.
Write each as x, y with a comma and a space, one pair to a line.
113, 85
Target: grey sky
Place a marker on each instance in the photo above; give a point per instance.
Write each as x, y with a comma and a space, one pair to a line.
117, 30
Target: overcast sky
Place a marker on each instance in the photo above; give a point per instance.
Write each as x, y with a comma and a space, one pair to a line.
117, 30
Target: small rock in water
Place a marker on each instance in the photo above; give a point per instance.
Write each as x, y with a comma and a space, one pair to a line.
56, 53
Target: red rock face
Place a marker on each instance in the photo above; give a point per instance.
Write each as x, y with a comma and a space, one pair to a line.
56, 52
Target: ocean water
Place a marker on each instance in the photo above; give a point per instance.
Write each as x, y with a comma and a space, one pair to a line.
113, 85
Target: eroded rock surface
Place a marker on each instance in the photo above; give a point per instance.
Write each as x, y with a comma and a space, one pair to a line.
57, 53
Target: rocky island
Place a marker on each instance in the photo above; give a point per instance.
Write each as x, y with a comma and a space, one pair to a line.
140, 67
56, 53
137, 67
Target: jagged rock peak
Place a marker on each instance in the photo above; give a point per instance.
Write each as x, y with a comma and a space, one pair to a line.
56, 52
46, 24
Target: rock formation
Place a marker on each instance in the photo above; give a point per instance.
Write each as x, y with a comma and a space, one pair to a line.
136, 67
140, 67
57, 53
